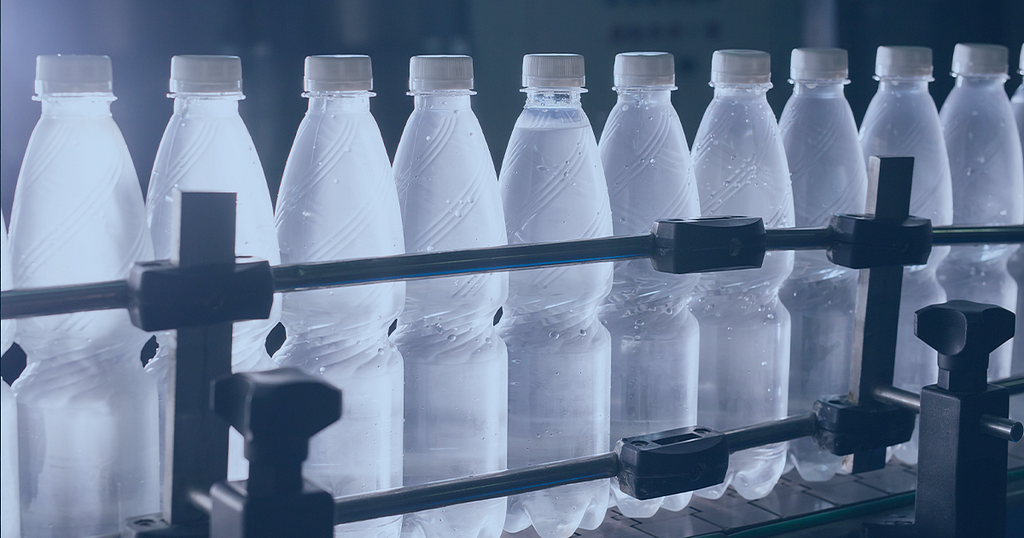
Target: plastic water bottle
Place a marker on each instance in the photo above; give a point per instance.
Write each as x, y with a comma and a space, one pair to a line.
902, 121
553, 189
654, 337
338, 201
456, 369
829, 176
10, 527
87, 413
987, 172
206, 147
741, 169
1016, 263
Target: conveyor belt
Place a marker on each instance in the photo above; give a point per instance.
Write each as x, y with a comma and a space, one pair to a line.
793, 505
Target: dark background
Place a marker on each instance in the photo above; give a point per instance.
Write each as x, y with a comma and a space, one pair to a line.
273, 37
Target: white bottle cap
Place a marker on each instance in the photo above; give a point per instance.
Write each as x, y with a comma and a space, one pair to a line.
206, 74
1020, 68
644, 69
73, 74
741, 67
978, 59
903, 62
553, 71
338, 73
440, 72
818, 64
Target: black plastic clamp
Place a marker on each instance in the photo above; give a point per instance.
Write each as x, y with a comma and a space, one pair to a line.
670, 462
276, 412
863, 241
708, 244
843, 427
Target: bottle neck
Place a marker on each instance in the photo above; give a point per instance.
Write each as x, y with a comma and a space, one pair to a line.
750, 92
86, 105
339, 102
646, 95
987, 82
903, 84
553, 97
830, 89
442, 99
209, 104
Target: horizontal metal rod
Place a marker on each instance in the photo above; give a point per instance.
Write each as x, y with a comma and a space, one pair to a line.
474, 488
294, 277
964, 235
1001, 427
30, 302
766, 433
798, 238
1013, 384
305, 276
898, 397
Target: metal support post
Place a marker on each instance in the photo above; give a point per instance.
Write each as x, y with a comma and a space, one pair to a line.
196, 446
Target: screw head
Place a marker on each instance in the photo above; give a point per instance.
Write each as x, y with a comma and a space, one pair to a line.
964, 327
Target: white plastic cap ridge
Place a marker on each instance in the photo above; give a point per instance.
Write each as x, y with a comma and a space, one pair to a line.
440, 72
735, 66
818, 64
1020, 68
338, 73
979, 59
634, 69
903, 62
73, 74
206, 74
553, 71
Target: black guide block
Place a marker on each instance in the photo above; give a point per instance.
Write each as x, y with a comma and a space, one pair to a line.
964, 333
166, 296
708, 244
844, 427
864, 241
276, 412
670, 462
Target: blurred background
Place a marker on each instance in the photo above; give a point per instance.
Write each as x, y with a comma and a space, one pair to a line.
273, 37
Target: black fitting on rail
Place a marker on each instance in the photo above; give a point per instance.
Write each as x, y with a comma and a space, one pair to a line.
670, 462
708, 244
843, 427
863, 241
277, 412
165, 296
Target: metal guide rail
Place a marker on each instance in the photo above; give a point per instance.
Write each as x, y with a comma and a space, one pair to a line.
204, 289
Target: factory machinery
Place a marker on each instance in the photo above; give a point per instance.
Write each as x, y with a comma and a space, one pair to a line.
961, 476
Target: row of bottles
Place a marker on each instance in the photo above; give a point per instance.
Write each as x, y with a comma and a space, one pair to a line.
494, 371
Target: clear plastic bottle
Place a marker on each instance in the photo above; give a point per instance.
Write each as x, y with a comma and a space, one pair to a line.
206, 147
456, 369
553, 189
987, 172
829, 176
87, 413
1016, 263
902, 120
741, 169
10, 526
655, 339
338, 201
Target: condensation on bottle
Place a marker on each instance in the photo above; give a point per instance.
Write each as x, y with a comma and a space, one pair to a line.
903, 107
654, 336
829, 177
456, 365
553, 189
987, 174
338, 201
87, 413
207, 148
741, 169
